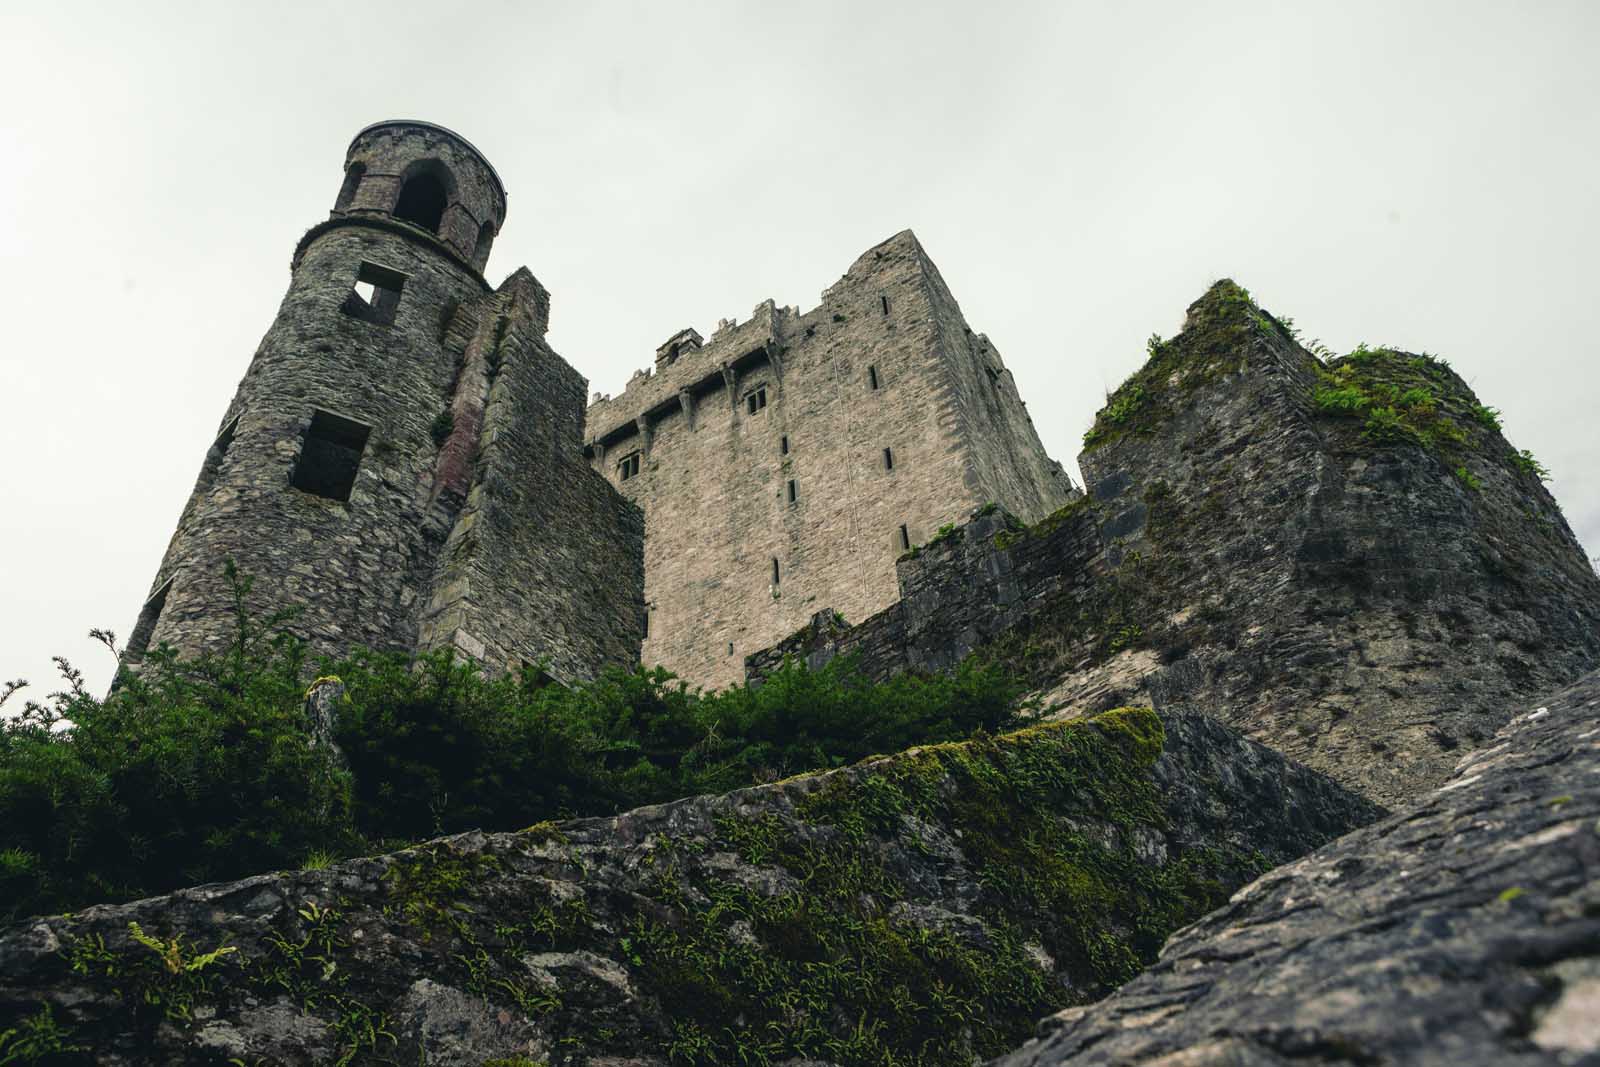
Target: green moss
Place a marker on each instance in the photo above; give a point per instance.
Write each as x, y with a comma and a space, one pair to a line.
38, 1039
1213, 345
1014, 534
443, 426
821, 969
426, 890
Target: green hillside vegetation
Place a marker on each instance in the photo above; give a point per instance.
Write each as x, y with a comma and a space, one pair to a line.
199, 770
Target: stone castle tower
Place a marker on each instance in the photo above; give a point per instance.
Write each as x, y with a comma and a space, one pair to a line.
402, 464
786, 464
406, 466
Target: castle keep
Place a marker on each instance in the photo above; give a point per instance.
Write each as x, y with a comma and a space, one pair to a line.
407, 465
785, 464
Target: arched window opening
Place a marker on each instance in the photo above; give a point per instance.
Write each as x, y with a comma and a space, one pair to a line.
480, 254
422, 200
352, 182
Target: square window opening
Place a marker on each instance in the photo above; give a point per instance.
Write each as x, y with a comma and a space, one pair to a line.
375, 296
756, 399
330, 456
629, 467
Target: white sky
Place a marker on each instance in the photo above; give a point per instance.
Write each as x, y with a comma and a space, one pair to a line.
1414, 174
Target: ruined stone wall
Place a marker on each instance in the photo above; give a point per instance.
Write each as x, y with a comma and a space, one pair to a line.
545, 563
713, 476
1253, 551
352, 568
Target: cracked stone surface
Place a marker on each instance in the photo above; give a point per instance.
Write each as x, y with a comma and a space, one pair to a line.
1464, 929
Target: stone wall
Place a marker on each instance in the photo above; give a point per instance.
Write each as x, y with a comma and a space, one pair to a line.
1251, 551
884, 362
544, 563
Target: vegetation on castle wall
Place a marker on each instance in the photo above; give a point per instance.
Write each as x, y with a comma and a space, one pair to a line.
804, 926
1400, 398
1213, 344
200, 770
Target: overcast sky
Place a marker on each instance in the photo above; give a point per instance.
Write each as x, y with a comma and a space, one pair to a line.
1421, 175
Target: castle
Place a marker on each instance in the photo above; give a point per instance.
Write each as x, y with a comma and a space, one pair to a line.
407, 464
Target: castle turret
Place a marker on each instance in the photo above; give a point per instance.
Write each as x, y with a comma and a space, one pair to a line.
428, 177
376, 464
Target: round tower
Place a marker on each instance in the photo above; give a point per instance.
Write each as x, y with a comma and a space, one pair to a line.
318, 483
428, 177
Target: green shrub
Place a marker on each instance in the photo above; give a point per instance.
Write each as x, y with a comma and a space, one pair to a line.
199, 770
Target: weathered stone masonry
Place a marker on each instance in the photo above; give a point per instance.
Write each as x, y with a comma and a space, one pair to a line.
784, 465
402, 463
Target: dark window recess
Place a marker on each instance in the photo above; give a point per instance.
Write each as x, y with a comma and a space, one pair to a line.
149, 615
376, 294
215, 454
352, 182
888, 459
783, 445
730, 648
791, 490
872, 377
905, 539
756, 399
774, 570
629, 467
883, 300
422, 200
330, 455
644, 622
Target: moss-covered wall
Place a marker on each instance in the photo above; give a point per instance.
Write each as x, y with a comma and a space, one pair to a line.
920, 908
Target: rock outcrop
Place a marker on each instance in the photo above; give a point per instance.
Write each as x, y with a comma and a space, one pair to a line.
1459, 931
924, 907
1343, 558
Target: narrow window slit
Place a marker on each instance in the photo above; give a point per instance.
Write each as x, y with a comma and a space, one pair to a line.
883, 300
905, 538
888, 459
783, 444
872, 377
774, 570
791, 490
149, 615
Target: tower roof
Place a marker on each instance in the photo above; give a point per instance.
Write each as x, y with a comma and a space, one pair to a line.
499, 185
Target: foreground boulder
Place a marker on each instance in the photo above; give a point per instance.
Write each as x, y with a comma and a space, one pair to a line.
1462, 930
924, 907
